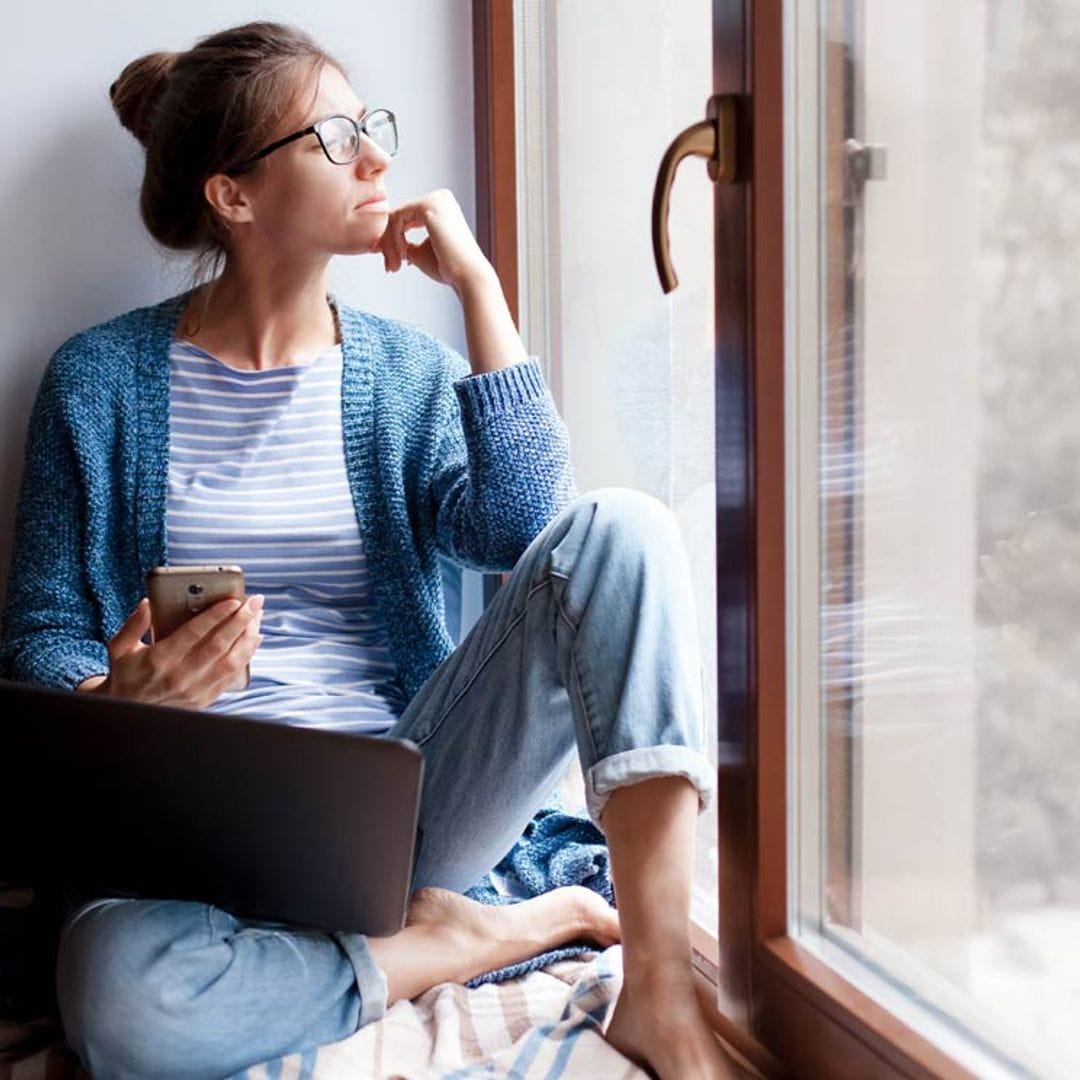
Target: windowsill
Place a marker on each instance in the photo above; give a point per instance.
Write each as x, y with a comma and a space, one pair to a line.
750, 1054
811, 1000
922, 999
706, 951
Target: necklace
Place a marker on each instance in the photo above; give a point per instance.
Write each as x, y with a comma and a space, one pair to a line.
191, 325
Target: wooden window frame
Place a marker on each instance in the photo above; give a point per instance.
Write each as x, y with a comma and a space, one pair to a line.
494, 122
496, 162
779, 1006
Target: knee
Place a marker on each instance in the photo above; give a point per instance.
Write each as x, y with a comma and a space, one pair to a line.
632, 519
114, 1002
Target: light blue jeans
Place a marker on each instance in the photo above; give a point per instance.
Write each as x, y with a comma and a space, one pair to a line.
591, 641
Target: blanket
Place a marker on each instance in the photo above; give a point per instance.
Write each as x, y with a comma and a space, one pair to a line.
546, 1024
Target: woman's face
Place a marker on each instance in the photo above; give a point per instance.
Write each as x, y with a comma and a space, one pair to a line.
303, 204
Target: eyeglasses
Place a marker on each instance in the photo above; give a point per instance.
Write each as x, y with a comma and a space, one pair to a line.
339, 137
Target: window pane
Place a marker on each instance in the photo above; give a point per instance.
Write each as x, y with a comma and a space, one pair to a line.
631, 368
936, 198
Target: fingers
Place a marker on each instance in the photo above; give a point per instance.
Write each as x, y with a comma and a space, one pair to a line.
423, 257
416, 213
393, 244
245, 646
427, 212
449, 253
194, 663
218, 644
391, 263
233, 671
130, 635
184, 638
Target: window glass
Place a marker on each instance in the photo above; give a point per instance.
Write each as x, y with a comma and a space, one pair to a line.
631, 368
934, 198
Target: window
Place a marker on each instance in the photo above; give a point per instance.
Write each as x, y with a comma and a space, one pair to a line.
631, 368
895, 374
934, 517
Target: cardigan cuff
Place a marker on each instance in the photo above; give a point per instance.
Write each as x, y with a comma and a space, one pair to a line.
66, 666
493, 392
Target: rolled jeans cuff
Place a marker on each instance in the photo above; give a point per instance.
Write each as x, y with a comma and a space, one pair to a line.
644, 763
370, 978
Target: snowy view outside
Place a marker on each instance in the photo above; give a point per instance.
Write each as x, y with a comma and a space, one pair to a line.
1028, 581
1029, 467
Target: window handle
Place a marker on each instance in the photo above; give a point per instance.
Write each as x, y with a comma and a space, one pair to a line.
712, 138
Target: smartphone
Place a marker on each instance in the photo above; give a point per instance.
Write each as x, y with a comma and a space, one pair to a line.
176, 593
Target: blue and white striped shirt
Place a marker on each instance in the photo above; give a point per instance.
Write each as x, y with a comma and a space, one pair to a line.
257, 477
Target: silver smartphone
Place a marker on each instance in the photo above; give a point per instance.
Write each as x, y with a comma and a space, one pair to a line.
177, 593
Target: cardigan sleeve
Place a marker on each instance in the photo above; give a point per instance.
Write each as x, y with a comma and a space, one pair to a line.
49, 633
503, 467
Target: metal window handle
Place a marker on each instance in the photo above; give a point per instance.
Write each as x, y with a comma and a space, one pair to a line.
713, 138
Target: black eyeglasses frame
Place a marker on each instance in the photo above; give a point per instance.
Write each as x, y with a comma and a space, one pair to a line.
313, 129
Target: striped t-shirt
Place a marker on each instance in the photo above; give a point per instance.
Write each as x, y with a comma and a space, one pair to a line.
257, 477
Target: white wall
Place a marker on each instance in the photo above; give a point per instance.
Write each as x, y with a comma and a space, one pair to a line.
74, 248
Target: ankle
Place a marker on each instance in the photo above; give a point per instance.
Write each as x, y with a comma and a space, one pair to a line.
646, 975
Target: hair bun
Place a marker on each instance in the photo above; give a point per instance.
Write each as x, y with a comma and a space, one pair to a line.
136, 92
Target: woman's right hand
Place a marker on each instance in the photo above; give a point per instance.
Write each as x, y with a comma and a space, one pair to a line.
193, 665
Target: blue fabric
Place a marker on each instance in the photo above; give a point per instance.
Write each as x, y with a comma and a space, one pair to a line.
441, 463
439, 460
556, 849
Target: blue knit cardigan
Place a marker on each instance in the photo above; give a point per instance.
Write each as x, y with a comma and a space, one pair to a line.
438, 459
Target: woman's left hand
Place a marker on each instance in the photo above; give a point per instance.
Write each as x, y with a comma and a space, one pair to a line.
449, 254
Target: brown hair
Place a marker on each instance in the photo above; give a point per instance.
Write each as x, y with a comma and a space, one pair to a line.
202, 111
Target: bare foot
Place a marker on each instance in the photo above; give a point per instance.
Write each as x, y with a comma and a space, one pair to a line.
538, 924
663, 1031
448, 937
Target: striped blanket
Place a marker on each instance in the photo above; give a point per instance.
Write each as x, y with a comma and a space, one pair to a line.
547, 1023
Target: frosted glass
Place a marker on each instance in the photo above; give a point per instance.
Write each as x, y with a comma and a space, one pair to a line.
604, 87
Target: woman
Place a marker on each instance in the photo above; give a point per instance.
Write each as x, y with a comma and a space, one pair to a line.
336, 455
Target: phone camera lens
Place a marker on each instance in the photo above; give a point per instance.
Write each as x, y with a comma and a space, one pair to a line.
195, 590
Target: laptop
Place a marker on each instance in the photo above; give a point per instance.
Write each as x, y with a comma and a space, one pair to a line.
102, 797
